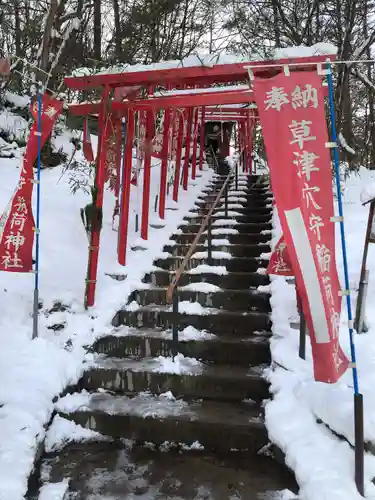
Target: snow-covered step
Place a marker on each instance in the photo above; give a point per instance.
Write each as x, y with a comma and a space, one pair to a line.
146, 472
158, 419
223, 234
237, 264
220, 216
187, 378
240, 186
208, 295
215, 321
251, 196
209, 274
229, 223
234, 250
193, 343
246, 201
239, 208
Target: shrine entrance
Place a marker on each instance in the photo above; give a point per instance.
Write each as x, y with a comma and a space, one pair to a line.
179, 385
181, 97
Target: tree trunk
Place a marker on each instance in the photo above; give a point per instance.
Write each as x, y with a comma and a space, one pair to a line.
97, 30
116, 13
17, 28
46, 43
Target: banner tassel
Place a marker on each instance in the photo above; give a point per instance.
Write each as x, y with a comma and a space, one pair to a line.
37, 225
358, 400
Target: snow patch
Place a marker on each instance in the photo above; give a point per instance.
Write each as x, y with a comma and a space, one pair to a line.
185, 307
224, 230
63, 432
179, 365
204, 268
200, 287
225, 222
54, 491
215, 255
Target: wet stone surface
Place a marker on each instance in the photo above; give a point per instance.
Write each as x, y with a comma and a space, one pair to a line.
114, 471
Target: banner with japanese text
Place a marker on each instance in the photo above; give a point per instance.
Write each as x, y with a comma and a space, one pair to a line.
177, 123
110, 153
17, 222
292, 116
280, 263
157, 141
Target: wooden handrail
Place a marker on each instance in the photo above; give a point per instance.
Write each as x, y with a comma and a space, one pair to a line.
182, 267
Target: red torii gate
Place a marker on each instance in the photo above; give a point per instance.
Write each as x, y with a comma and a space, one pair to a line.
134, 83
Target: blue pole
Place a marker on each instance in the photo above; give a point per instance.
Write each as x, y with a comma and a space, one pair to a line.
36, 287
342, 228
359, 449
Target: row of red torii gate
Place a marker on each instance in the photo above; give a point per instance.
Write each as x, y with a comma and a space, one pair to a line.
186, 98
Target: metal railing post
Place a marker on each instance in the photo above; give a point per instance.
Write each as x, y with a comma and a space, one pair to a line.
175, 322
236, 175
172, 297
302, 329
226, 200
209, 241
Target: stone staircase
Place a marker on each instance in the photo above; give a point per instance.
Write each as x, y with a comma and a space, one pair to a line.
210, 397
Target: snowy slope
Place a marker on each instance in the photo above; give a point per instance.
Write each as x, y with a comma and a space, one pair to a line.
323, 464
33, 372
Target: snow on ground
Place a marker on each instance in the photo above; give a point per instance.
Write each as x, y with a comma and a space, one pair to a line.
200, 287
63, 432
33, 372
324, 464
54, 491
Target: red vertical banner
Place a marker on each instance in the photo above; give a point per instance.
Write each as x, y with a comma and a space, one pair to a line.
187, 149
195, 145
125, 197
251, 125
142, 123
175, 121
147, 175
239, 140
110, 152
246, 145
201, 138
292, 115
164, 164
157, 141
118, 127
180, 134
17, 224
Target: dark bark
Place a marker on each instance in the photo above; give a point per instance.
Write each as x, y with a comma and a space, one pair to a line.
97, 30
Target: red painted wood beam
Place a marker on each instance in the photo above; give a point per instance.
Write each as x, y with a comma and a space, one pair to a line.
174, 101
188, 100
188, 75
230, 110
221, 118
